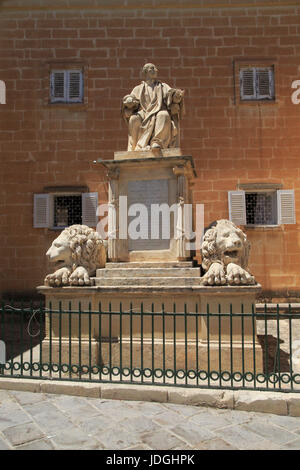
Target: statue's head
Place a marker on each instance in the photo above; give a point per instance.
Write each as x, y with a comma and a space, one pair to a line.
149, 71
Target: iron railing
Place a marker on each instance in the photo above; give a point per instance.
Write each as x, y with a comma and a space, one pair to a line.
207, 349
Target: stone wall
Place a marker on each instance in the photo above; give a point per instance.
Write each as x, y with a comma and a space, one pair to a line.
194, 45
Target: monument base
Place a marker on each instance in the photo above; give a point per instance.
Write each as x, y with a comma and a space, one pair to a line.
152, 153
155, 327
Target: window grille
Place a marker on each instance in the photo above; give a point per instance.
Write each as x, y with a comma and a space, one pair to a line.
261, 208
67, 210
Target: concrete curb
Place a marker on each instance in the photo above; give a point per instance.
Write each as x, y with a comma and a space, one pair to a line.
280, 403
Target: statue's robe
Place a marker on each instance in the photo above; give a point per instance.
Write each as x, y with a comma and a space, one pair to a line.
155, 124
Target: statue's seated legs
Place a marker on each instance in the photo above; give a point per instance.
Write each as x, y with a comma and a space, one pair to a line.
160, 138
162, 130
134, 125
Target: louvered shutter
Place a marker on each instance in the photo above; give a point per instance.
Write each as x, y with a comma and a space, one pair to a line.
75, 86
237, 207
264, 83
247, 84
2, 92
286, 207
58, 86
41, 210
89, 209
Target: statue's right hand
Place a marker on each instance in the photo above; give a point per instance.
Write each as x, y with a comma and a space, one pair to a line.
130, 102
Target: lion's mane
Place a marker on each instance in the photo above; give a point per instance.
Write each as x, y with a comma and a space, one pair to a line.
210, 251
85, 245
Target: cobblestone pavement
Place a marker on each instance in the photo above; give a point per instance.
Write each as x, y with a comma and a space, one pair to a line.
33, 421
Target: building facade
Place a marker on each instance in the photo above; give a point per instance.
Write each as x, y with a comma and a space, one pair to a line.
65, 67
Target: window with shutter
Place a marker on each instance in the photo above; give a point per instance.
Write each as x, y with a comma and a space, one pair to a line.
286, 207
60, 210
41, 211
66, 86
247, 84
262, 208
237, 207
75, 86
89, 209
257, 83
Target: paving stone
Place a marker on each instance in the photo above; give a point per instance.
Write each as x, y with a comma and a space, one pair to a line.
185, 410
5, 396
216, 444
72, 422
139, 447
118, 438
192, 434
48, 417
73, 438
168, 418
140, 425
162, 440
27, 398
4, 445
294, 445
148, 408
265, 430
96, 425
12, 417
287, 422
234, 416
43, 444
23, 433
239, 435
76, 408
115, 409
210, 421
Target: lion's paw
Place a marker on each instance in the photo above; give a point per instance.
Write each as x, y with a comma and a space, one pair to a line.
80, 277
58, 278
215, 276
237, 275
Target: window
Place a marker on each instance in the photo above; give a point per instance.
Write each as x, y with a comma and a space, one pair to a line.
257, 83
67, 210
66, 86
57, 211
262, 207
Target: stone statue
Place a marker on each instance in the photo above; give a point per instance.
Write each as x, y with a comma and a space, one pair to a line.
77, 252
152, 112
225, 251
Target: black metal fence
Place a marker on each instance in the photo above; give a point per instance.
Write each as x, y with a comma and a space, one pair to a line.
207, 349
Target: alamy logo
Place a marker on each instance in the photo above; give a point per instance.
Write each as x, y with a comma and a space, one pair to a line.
296, 95
2, 92
2, 353
151, 222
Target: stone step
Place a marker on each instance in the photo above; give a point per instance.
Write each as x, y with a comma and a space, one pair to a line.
147, 281
148, 272
153, 264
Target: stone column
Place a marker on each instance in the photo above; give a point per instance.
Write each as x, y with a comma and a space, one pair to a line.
113, 210
182, 253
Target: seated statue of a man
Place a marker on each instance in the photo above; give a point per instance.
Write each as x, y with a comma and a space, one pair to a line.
152, 112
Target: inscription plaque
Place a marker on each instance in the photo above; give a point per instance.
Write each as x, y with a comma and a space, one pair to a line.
147, 193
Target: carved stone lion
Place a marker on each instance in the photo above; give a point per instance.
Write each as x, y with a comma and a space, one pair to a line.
76, 253
225, 251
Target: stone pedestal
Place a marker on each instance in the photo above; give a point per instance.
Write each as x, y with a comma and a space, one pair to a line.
169, 327
150, 180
